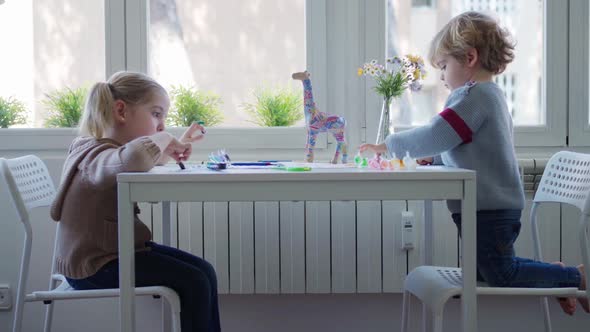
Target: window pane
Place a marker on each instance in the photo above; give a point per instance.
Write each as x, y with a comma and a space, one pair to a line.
228, 48
52, 45
410, 30
422, 3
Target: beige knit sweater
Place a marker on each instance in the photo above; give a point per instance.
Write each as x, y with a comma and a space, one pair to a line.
86, 201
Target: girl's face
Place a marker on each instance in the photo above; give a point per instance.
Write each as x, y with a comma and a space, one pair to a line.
453, 73
144, 119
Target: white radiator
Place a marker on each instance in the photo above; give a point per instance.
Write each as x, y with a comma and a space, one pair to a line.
303, 247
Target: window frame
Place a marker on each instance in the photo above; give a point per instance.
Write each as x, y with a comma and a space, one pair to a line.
340, 37
432, 4
555, 82
579, 73
136, 59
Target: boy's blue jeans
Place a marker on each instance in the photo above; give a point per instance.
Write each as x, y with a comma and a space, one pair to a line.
496, 262
192, 278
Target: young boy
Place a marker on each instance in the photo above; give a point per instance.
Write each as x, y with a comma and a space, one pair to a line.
474, 131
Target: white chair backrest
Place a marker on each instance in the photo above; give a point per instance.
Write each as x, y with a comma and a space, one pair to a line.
30, 186
566, 179
29, 183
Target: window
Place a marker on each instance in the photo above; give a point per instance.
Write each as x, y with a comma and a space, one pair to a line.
422, 3
262, 51
68, 44
520, 82
228, 48
579, 74
51, 46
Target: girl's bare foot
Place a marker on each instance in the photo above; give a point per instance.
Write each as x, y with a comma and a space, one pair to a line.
567, 304
301, 75
583, 300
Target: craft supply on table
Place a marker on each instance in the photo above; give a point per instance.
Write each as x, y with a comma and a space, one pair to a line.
381, 163
293, 168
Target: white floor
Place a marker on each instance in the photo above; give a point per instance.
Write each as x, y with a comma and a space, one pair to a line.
312, 313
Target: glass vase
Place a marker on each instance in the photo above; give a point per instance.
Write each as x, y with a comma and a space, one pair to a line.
385, 129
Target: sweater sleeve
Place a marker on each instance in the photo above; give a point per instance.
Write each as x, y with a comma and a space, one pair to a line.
454, 126
139, 155
437, 160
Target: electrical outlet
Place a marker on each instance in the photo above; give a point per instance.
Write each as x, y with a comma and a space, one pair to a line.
5, 297
408, 221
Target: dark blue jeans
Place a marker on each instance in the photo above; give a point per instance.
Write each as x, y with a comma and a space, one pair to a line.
192, 278
497, 263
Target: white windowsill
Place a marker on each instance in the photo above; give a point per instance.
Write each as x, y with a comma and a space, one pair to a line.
264, 143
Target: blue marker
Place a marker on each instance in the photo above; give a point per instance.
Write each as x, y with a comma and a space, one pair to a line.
254, 163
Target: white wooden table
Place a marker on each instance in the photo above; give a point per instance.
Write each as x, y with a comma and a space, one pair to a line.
165, 184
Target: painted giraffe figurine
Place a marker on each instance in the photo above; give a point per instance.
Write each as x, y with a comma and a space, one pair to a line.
319, 122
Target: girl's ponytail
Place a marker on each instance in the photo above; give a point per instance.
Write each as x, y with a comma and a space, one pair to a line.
97, 114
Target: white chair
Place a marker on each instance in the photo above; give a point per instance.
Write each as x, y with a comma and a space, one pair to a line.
30, 186
566, 179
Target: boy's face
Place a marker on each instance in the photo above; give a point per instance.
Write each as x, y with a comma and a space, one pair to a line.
453, 73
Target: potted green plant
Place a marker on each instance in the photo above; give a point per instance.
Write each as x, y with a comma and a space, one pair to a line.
190, 105
12, 111
65, 107
275, 107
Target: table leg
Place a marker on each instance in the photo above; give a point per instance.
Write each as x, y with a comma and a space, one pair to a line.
166, 240
468, 249
166, 233
427, 254
126, 259
428, 234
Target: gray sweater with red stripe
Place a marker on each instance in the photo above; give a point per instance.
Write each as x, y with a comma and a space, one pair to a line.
474, 132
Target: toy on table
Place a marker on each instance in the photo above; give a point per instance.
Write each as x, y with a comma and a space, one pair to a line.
409, 162
319, 122
375, 162
218, 160
361, 161
379, 162
395, 163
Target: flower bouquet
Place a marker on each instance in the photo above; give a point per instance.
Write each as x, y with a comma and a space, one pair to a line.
392, 79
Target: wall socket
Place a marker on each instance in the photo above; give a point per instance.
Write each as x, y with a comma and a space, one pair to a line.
5, 297
407, 234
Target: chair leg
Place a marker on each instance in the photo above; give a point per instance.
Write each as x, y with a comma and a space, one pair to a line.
406, 311
171, 314
166, 316
437, 323
546, 316
48, 316
176, 321
432, 319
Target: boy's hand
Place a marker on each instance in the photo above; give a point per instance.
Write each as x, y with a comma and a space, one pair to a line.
193, 133
425, 161
376, 148
178, 151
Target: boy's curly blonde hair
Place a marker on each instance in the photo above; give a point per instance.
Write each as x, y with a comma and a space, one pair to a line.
494, 44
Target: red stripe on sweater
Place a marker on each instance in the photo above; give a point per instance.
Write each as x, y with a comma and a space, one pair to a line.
458, 125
